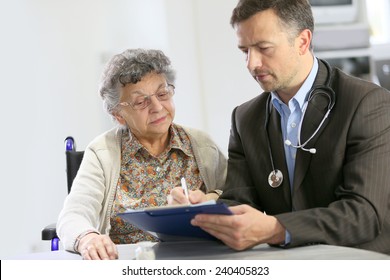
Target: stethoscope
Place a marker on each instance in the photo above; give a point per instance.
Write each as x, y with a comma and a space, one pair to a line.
275, 177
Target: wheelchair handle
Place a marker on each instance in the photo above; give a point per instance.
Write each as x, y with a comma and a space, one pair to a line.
69, 144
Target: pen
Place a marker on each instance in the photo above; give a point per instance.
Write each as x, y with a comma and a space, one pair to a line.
185, 189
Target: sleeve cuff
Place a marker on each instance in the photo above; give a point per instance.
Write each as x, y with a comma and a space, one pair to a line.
218, 192
76, 244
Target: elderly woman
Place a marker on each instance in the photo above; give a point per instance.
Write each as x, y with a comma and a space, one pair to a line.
137, 163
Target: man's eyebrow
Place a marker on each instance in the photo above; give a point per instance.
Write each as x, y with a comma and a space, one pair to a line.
254, 44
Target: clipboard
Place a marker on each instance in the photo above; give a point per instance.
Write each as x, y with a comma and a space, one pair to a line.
173, 223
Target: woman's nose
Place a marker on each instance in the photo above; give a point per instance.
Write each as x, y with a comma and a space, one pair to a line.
155, 103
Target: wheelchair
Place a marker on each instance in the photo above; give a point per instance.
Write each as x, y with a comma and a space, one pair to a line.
73, 161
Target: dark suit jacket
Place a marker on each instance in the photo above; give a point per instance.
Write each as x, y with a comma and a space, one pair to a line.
340, 194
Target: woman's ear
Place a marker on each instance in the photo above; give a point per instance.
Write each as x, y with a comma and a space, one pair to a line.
120, 119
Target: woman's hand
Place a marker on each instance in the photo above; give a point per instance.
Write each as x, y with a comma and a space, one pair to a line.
97, 247
177, 196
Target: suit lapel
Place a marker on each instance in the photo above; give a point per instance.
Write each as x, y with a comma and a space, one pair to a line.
277, 148
314, 114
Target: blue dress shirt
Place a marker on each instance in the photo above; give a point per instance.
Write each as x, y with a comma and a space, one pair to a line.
291, 118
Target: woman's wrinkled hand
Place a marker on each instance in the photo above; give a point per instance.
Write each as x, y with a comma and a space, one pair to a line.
97, 247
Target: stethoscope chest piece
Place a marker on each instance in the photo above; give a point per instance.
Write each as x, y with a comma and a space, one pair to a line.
275, 178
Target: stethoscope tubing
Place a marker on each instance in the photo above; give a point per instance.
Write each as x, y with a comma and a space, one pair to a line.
321, 89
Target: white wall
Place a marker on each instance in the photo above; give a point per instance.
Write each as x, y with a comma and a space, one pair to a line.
49, 67
51, 55
224, 78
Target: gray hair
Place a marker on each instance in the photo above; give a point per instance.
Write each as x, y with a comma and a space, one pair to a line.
294, 15
129, 67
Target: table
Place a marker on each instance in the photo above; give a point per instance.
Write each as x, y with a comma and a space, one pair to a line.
214, 250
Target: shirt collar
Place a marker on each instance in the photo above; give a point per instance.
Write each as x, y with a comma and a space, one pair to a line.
133, 145
177, 143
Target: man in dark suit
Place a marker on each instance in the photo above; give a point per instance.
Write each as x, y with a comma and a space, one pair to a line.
309, 158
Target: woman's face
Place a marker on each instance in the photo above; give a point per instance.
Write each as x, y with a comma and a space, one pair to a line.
152, 122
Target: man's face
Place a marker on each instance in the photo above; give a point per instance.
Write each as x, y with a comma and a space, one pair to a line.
272, 54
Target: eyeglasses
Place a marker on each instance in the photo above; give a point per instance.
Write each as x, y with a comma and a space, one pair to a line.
143, 101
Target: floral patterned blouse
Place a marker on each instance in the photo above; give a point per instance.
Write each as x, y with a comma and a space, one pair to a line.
146, 180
